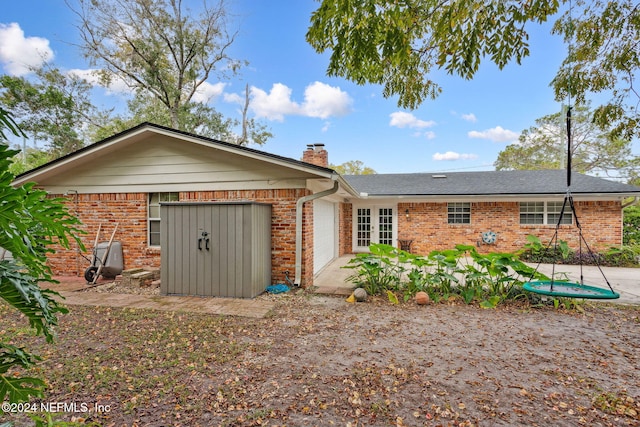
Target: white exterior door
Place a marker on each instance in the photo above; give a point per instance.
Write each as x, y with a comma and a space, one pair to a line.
373, 224
324, 233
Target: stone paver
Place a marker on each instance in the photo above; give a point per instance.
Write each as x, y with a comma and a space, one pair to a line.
70, 288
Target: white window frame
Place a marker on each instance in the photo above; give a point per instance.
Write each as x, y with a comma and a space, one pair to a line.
550, 212
153, 214
459, 213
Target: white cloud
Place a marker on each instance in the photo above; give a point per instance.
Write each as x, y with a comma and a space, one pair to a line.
275, 104
426, 135
402, 119
452, 155
233, 98
323, 101
18, 53
320, 101
89, 75
497, 134
206, 91
469, 117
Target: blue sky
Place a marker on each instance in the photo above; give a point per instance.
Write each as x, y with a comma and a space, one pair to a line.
464, 129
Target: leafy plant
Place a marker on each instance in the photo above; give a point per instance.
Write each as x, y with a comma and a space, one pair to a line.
30, 222
536, 251
379, 270
415, 284
625, 256
446, 266
458, 273
631, 225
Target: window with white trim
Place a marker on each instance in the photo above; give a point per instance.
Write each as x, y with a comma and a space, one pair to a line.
553, 213
459, 213
153, 211
544, 213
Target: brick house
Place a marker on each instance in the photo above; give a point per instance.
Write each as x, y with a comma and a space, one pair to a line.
494, 210
317, 214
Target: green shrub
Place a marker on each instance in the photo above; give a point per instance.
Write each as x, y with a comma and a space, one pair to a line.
625, 256
535, 251
631, 225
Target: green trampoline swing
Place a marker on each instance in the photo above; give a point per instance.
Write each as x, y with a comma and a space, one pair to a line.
561, 288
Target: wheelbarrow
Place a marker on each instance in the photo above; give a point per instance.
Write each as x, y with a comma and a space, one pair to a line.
106, 260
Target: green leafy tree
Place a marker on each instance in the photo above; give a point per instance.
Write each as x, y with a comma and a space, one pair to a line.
54, 108
163, 52
399, 43
29, 159
604, 59
353, 167
195, 117
30, 222
544, 146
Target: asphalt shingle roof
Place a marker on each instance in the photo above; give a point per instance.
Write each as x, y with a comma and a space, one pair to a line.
540, 182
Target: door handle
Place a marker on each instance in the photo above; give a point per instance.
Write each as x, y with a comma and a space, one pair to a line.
203, 236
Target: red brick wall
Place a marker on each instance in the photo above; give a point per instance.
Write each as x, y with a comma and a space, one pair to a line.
427, 225
345, 221
130, 211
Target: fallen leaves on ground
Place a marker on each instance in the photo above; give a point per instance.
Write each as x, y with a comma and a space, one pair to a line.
318, 360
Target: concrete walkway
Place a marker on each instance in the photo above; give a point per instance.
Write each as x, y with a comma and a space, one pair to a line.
71, 288
625, 281
332, 279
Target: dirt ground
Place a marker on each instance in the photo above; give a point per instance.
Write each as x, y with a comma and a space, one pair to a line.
318, 360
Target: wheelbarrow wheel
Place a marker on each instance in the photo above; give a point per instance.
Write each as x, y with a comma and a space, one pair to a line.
90, 274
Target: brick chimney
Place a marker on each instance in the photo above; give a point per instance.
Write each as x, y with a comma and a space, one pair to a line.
316, 155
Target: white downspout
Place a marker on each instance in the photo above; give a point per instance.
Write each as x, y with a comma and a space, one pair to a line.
299, 207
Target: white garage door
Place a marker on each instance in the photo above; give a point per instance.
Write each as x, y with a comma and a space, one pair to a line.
324, 233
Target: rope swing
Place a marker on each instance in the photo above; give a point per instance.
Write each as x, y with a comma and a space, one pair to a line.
560, 288
568, 289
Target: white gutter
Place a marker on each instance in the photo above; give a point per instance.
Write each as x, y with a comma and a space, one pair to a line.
299, 208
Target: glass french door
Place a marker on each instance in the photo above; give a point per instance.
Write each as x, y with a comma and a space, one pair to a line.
373, 224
